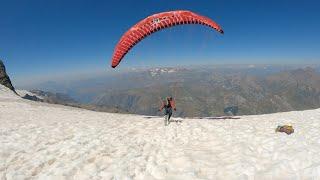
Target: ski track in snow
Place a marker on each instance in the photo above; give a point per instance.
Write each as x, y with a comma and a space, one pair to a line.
42, 141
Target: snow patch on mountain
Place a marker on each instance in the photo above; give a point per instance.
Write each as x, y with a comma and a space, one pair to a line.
23, 93
159, 71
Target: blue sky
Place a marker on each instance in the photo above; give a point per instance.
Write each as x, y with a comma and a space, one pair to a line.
43, 38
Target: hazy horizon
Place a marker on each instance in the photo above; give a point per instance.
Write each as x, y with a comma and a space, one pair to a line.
21, 82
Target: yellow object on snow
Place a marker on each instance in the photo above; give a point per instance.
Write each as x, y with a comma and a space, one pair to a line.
285, 128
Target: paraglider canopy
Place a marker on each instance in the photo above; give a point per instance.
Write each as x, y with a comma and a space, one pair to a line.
155, 23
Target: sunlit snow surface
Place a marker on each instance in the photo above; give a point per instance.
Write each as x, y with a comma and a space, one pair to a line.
42, 141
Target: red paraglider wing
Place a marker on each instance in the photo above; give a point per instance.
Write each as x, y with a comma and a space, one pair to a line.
155, 23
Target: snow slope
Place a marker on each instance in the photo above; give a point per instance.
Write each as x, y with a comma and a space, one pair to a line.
7, 94
43, 141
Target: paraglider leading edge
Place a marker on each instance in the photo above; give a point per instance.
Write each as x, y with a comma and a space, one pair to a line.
155, 23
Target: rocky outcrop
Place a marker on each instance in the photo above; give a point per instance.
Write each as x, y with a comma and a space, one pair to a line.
32, 98
4, 78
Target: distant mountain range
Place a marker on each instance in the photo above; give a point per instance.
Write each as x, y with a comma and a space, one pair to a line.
64, 99
199, 91
203, 92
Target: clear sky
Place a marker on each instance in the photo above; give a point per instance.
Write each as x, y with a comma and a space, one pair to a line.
45, 37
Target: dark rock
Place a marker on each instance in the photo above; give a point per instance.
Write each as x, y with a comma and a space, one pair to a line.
231, 110
4, 78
